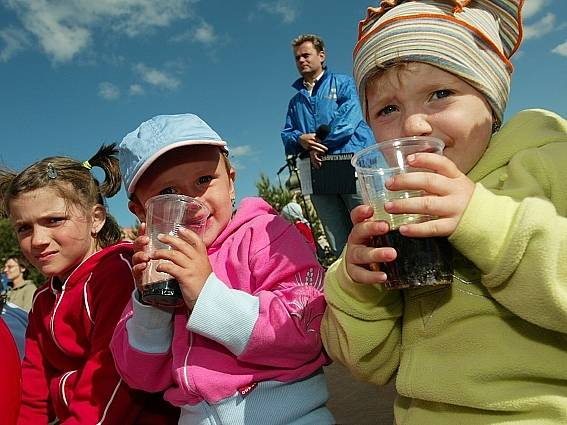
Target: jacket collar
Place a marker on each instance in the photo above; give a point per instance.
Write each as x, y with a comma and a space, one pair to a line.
298, 84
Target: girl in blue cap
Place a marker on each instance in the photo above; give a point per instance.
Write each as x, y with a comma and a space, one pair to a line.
244, 346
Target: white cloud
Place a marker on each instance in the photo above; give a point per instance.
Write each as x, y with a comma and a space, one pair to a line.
155, 77
136, 17
65, 28
108, 91
14, 40
205, 33
532, 7
540, 28
135, 90
284, 9
239, 151
561, 49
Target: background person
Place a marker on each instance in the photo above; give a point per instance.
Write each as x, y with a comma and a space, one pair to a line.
3, 283
325, 98
20, 290
484, 350
16, 318
293, 213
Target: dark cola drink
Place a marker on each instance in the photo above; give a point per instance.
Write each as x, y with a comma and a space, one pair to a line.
165, 293
420, 261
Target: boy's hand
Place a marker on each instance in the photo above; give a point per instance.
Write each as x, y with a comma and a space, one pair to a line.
447, 194
189, 263
360, 255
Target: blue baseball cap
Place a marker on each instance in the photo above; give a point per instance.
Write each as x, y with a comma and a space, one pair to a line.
160, 134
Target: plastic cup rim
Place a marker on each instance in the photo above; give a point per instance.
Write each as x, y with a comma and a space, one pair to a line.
180, 197
391, 142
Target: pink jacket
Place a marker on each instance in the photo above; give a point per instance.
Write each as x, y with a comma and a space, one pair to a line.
257, 318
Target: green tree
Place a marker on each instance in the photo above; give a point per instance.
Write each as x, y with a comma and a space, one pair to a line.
8, 241
278, 197
136, 228
130, 233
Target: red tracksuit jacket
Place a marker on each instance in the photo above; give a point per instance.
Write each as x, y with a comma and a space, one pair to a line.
11, 376
68, 370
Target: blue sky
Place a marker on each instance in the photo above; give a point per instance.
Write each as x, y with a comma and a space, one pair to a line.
78, 73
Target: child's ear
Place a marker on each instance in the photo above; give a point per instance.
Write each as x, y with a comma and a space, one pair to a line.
98, 215
137, 209
231, 177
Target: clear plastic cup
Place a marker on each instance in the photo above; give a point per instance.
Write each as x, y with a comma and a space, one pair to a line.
166, 214
420, 261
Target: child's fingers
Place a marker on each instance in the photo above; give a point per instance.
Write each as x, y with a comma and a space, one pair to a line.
419, 181
172, 255
437, 163
361, 213
362, 262
187, 244
140, 243
140, 257
434, 206
138, 269
137, 273
360, 256
433, 228
445, 200
191, 238
188, 264
170, 268
362, 233
186, 260
361, 274
363, 255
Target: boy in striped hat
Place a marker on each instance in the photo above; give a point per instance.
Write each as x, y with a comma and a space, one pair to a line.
490, 348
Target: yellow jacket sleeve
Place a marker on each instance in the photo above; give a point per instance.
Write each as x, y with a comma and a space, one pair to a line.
362, 325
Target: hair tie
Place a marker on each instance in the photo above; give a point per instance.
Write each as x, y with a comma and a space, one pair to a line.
87, 165
51, 171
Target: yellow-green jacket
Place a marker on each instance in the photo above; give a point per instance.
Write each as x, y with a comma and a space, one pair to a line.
492, 347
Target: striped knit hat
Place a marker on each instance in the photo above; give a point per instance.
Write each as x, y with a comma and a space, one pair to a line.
472, 39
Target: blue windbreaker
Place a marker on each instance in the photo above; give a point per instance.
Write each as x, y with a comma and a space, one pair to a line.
335, 103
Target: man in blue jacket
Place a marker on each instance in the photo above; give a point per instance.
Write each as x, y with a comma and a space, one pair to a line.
326, 99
